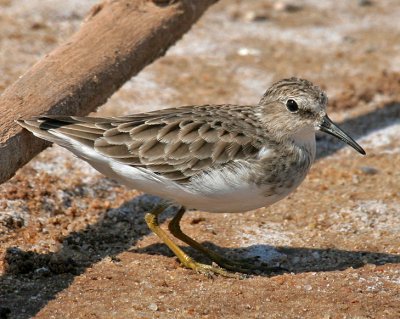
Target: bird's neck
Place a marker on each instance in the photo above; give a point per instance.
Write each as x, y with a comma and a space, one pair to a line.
305, 139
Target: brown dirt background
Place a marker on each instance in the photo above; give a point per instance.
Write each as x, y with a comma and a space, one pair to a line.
73, 244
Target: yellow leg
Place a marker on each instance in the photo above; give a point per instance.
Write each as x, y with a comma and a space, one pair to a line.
151, 219
175, 229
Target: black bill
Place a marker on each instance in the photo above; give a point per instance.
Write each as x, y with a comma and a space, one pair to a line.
329, 127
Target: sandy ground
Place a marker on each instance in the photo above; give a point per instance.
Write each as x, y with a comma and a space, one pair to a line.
73, 244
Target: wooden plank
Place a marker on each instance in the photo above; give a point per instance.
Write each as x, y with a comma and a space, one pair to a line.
116, 41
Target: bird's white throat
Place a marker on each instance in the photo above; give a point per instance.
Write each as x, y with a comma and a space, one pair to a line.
305, 138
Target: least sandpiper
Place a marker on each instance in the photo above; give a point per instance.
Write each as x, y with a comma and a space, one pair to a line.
217, 158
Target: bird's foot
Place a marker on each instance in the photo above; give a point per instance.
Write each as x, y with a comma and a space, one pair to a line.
211, 270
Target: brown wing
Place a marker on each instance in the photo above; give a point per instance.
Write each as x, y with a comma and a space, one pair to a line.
175, 143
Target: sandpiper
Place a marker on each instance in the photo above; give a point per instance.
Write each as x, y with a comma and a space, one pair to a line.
217, 158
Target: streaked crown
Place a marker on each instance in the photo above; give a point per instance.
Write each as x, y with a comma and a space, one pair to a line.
295, 88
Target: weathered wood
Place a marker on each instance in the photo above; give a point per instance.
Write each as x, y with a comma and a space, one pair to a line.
117, 40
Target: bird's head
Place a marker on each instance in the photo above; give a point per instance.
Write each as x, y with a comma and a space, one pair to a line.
293, 107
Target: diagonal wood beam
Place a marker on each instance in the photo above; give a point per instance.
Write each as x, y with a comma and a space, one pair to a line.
116, 41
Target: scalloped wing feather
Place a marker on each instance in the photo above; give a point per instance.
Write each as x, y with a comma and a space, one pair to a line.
174, 143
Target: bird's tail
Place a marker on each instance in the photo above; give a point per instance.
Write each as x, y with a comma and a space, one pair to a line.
62, 129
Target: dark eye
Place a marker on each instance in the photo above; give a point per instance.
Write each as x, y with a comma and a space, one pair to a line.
292, 105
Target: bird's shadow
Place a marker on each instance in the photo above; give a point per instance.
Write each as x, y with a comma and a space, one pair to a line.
32, 279
269, 261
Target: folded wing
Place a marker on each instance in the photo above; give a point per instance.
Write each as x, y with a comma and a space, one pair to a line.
175, 143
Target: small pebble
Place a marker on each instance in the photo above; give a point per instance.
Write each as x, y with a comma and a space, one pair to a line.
153, 307
286, 6
248, 51
308, 287
316, 255
365, 3
369, 170
252, 16
42, 271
